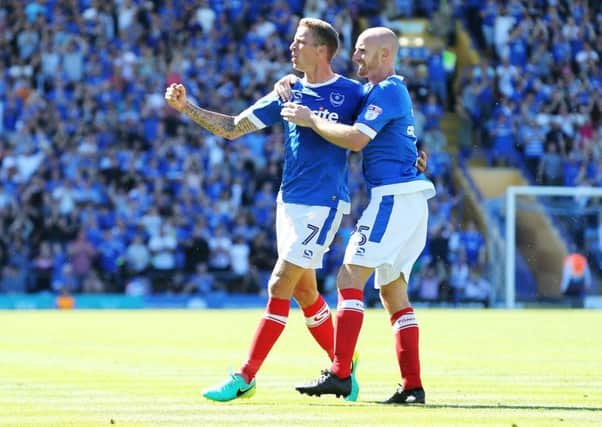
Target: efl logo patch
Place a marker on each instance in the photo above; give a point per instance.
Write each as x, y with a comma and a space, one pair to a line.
337, 99
373, 112
297, 96
308, 253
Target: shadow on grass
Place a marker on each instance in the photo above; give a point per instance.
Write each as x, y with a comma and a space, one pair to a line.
514, 407
467, 406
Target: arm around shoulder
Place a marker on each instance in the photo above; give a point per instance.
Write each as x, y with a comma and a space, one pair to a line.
349, 137
345, 136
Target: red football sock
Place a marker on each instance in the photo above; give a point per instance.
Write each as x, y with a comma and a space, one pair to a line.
319, 323
269, 329
405, 328
350, 315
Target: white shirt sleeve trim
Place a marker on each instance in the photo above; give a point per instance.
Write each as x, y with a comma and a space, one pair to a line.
365, 129
248, 114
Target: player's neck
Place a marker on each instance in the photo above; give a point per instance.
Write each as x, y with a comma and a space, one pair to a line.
319, 74
380, 75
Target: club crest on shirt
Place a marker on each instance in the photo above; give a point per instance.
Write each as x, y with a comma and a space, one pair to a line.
373, 112
337, 99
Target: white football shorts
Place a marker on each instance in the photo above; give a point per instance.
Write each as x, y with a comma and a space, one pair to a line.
304, 233
390, 235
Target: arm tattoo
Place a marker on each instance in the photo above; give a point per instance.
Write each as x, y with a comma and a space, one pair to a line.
217, 123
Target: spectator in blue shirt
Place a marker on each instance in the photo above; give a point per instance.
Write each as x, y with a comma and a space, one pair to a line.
473, 244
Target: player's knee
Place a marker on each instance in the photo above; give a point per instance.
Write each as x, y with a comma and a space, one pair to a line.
394, 297
305, 295
348, 277
275, 284
281, 284
343, 278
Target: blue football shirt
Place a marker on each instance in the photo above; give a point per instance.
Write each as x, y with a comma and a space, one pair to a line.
315, 171
389, 158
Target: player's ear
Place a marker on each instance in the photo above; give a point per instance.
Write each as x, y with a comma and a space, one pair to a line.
323, 50
320, 49
385, 53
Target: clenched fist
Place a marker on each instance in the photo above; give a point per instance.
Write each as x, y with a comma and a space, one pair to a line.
175, 95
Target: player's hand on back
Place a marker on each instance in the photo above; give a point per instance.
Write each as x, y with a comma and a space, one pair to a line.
175, 95
421, 162
283, 87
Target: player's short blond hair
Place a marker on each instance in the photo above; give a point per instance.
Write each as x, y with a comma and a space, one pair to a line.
324, 34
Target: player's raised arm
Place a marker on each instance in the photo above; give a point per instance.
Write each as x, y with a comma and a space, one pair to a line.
229, 127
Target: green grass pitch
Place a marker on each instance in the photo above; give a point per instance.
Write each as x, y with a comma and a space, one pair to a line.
131, 368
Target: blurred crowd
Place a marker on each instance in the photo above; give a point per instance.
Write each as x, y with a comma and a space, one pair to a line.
535, 100
536, 95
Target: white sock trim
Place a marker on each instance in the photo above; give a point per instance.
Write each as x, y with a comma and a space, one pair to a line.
320, 317
275, 318
407, 320
351, 305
